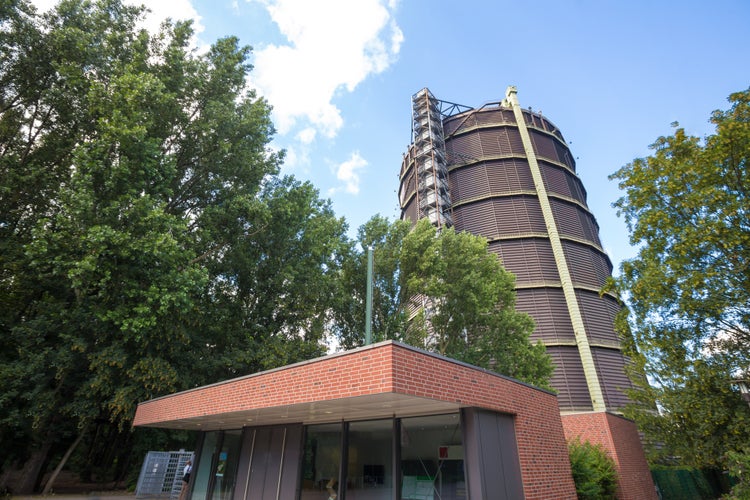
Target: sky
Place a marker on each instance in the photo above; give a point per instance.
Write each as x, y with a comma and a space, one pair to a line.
612, 75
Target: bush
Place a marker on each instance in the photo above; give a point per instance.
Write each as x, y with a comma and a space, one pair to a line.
739, 470
593, 471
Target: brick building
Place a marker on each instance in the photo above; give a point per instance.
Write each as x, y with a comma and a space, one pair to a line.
385, 421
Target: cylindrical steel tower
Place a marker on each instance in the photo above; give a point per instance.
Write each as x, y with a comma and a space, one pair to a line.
512, 179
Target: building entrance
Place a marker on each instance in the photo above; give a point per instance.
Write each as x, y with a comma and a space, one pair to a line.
415, 458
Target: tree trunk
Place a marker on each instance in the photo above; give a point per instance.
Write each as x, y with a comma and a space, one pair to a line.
63, 460
5, 480
32, 469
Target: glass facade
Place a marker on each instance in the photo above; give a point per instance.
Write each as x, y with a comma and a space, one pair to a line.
202, 468
427, 453
217, 465
369, 471
225, 468
321, 461
432, 458
365, 460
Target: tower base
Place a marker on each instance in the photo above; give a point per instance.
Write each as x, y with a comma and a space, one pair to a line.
619, 437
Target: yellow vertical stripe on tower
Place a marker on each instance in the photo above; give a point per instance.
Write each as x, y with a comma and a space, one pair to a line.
582, 341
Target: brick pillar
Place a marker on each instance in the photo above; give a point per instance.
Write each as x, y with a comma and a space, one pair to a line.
619, 437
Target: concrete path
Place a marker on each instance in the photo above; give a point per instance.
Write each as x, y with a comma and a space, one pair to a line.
94, 495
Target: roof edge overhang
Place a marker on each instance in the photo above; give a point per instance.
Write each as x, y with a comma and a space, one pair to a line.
382, 380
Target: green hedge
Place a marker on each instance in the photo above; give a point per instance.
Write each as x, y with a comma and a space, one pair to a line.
688, 484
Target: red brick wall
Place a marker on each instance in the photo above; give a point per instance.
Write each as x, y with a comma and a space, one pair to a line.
543, 453
331, 377
619, 437
392, 367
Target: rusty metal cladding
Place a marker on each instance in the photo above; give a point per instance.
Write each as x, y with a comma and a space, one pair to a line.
569, 374
468, 167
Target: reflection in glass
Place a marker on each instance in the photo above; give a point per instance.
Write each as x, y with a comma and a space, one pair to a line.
432, 458
202, 474
226, 466
370, 460
216, 468
321, 462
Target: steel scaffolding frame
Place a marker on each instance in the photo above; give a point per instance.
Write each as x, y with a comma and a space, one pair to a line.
429, 159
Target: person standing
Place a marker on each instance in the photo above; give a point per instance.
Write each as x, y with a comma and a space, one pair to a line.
186, 479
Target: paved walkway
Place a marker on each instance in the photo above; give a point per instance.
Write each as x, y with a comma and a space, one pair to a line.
94, 495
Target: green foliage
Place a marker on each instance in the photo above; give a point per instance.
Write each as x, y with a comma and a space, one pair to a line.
688, 289
739, 468
461, 299
147, 244
700, 415
594, 471
389, 314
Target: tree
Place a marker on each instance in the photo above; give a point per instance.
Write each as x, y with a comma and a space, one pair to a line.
389, 314
444, 292
739, 467
272, 292
687, 207
147, 244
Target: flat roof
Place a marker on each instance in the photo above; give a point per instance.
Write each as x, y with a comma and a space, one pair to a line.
382, 380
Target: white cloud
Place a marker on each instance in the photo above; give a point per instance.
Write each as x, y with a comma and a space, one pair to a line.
307, 135
348, 173
177, 10
44, 5
333, 46
297, 158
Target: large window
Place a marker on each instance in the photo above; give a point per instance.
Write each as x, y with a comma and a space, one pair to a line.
430, 467
432, 458
202, 474
370, 460
321, 462
217, 465
225, 468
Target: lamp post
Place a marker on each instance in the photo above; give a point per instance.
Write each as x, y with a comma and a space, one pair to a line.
368, 305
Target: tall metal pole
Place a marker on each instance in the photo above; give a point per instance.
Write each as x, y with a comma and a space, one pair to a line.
368, 311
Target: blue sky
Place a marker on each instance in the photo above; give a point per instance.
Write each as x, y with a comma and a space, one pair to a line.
611, 75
